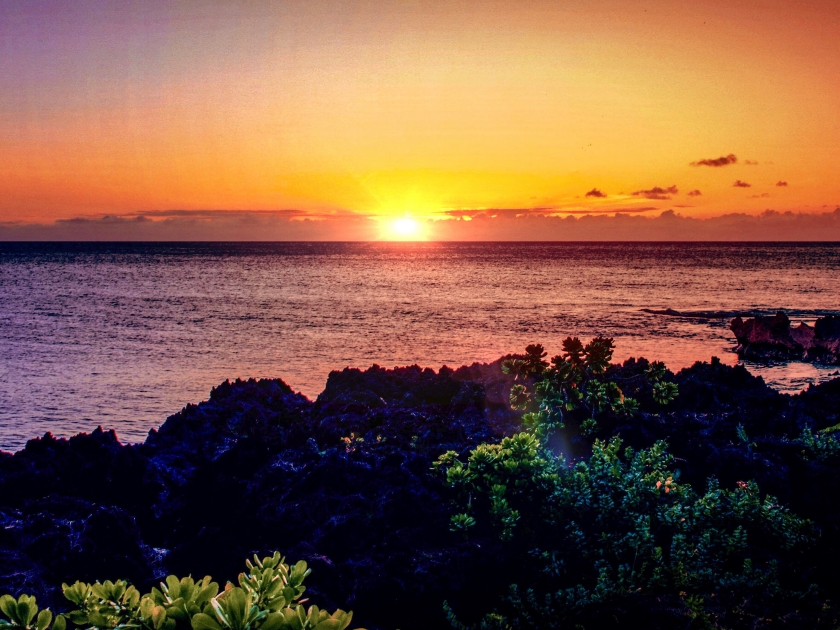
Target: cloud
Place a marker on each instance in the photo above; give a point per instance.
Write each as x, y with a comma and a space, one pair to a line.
609, 211
761, 196
508, 224
781, 183
663, 226
694, 193
203, 225
657, 192
546, 211
724, 160
596, 193
751, 162
739, 184
289, 213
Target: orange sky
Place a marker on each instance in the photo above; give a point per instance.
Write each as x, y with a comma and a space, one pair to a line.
417, 107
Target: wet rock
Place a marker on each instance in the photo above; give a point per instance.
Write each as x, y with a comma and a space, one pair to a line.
773, 338
826, 345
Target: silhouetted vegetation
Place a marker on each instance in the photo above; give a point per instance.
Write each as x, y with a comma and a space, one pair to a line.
610, 495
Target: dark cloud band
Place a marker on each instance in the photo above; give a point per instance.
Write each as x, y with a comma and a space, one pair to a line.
724, 160
657, 192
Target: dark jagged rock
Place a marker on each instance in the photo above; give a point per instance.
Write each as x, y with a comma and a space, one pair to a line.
700, 314
773, 338
345, 483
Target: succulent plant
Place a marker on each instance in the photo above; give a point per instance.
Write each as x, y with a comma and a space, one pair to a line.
268, 598
23, 613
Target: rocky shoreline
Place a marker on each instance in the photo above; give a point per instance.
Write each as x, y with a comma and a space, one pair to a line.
345, 483
772, 337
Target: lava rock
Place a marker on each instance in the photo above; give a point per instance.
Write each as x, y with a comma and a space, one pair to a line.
346, 483
773, 338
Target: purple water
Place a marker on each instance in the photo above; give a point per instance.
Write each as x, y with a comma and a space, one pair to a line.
123, 335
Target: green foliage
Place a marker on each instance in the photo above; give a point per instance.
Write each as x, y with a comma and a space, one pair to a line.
574, 380
461, 523
820, 446
23, 613
621, 524
591, 535
509, 477
588, 427
268, 598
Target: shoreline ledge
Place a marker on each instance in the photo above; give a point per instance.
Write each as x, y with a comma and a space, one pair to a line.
344, 482
773, 337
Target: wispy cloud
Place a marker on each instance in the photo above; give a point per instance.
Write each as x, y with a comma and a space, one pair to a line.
724, 160
657, 192
761, 196
596, 193
505, 224
203, 225
542, 211
609, 211
694, 193
781, 183
289, 213
739, 184
751, 162
664, 226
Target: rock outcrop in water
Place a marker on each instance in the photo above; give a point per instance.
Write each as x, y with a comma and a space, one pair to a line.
774, 338
344, 482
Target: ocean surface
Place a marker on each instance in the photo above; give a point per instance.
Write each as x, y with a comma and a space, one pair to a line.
124, 335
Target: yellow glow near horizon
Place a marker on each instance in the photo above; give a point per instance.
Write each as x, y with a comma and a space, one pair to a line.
374, 108
404, 229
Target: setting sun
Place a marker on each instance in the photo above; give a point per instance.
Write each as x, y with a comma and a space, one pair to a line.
404, 229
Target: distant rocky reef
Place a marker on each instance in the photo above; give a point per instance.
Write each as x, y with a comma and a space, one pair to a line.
772, 337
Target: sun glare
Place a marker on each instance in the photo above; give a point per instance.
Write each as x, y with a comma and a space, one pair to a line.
404, 229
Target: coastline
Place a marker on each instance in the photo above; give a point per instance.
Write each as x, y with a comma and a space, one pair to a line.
258, 467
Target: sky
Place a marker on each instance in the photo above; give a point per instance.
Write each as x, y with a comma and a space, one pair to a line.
360, 120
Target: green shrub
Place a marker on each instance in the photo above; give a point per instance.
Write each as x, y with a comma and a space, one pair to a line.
820, 446
620, 525
267, 598
575, 381
23, 613
594, 536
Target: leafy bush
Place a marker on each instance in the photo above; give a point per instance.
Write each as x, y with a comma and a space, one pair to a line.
23, 613
619, 525
600, 535
820, 446
575, 381
268, 598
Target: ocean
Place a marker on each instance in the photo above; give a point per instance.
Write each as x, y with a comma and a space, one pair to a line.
122, 335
